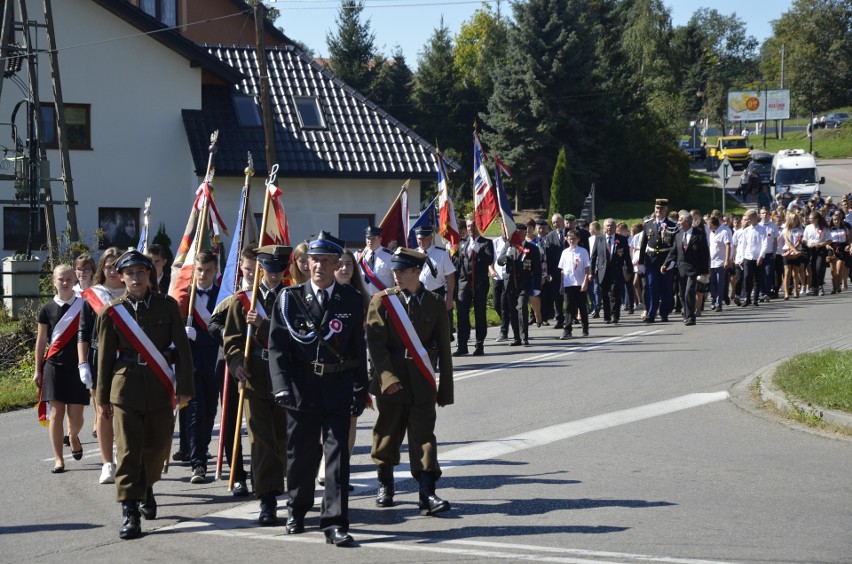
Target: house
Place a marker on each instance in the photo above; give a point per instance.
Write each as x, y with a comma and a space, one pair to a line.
142, 97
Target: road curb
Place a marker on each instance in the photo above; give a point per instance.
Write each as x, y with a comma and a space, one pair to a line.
785, 404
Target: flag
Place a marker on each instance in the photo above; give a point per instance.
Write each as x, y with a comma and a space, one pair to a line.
277, 226
43, 409
395, 223
231, 273
428, 217
447, 225
486, 208
512, 233
184, 262
142, 246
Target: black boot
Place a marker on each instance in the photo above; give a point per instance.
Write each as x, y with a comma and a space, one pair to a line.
384, 497
130, 527
148, 508
430, 504
268, 511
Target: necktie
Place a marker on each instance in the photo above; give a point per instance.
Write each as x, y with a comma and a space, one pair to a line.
322, 297
372, 260
609, 246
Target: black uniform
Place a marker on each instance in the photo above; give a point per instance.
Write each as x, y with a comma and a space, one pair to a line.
473, 285
610, 262
523, 277
317, 355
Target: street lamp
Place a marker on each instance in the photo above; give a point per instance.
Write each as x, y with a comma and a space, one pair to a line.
765, 108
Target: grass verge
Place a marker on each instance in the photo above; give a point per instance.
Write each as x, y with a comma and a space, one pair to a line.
822, 378
17, 391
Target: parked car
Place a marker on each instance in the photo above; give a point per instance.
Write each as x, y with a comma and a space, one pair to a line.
761, 162
836, 119
735, 148
696, 153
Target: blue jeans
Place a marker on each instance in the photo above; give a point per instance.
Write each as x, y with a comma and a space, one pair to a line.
768, 274
718, 285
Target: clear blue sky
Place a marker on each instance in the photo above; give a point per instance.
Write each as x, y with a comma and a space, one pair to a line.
410, 23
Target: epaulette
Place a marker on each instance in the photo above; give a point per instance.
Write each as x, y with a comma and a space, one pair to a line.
439, 248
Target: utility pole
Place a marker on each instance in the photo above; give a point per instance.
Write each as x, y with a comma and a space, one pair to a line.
265, 106
780, 129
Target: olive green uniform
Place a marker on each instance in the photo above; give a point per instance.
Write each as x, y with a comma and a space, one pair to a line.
266, 420
411, 409
142, 407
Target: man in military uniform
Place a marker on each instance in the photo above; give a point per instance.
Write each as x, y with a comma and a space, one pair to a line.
657, 240
523, 278
376, 259
440, 279
318, 363
476, 255
404, 381
266, 421
134, 390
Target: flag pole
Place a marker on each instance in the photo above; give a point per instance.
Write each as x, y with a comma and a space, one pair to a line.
226, 384
145, 224
403, 189
247, 351
199, 233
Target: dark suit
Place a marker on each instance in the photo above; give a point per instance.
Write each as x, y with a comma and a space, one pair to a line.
200, 413
554, 244
473, 288
656, 243
523, 277
609, 262
323, 386
693, 260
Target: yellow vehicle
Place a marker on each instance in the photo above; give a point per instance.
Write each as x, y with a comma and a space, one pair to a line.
734, 148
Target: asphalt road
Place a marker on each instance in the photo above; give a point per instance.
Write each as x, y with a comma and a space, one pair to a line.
632, 445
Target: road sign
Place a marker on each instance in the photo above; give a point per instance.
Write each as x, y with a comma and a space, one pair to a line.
724, 171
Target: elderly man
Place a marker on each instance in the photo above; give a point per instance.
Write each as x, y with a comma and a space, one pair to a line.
691, 252
610, 257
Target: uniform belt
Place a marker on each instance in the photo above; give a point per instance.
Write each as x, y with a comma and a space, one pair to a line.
135, 358
442, 291
653, 251
321, 369
262, 354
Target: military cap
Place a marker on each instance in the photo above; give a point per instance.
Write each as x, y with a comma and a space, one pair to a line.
424, 230
661, 202
570, 217
131, 258
373, 231
407, 258
521, 226
274, 258
326, 244
541, 222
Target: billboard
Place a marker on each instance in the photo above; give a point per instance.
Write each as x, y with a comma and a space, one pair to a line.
756, 105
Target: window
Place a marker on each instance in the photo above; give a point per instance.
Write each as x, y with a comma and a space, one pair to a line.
120, 227
351, 227
78, 126
310, 114
248, 112
16, 229
163, 10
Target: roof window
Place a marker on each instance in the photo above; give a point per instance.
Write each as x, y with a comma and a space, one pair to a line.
310, 113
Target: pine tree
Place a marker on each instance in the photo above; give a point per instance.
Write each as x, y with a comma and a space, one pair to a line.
352, 51
391, 89
562, 187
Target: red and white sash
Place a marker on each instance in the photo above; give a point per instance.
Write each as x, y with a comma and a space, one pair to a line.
65, 329
201, 315
143, 345
245, 299
371, 276
402, 323
97, 297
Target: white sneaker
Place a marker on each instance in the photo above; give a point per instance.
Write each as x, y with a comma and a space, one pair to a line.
107, 473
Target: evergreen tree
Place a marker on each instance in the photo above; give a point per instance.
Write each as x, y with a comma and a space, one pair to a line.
351, 50
562, 187
391, 89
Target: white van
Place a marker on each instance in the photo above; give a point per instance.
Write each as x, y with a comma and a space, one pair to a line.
797, 169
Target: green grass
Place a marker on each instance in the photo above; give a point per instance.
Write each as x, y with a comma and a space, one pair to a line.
16, 391
822, 378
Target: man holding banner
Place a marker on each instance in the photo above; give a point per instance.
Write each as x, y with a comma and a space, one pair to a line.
140, 383
406, 330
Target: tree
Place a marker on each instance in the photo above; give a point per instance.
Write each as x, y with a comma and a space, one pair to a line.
562, 188
480, 47
351, 51
391, 89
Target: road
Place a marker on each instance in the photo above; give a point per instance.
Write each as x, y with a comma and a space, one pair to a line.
637, 444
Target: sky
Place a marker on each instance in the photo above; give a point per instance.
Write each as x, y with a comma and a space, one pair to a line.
410, 23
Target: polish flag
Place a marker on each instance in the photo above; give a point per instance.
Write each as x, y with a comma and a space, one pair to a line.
512, 234
448, 227
486, 208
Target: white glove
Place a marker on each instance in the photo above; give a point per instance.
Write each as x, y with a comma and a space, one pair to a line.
190, 333
536, 292
641, 269
86, 375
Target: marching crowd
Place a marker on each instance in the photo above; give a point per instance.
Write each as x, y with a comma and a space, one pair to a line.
317, 331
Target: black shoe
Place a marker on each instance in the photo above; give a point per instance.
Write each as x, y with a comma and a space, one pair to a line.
615, 321
479, 350
648, 320
736, 301
460, 352
501, 339
596, 315
384, 497
131, 527
565, 336
585, 333
526, 342
295, 525
664, 319
516, 343
433, 505
179, 456
240, 489
268, 511
66, 441
199, 474
559, 325
607, 321
338, 537
727, 300
689, 322
148, 508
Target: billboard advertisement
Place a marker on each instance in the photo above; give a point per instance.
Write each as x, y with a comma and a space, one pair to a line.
756, 105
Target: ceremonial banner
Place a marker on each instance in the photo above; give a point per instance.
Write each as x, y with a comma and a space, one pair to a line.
486, 208
231, 273
512, 233
395, 223
278, 231
447, 226
428, 217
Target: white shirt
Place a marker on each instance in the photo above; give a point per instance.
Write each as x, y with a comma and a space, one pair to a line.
795, 237
328, 292
635, 242
753, 242
443, 264
772, 234
814, 236
499, 244
381, 268
718, 240
849, 218
573, 264
838, 235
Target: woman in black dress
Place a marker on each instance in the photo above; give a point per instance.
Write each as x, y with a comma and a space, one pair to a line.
56, 365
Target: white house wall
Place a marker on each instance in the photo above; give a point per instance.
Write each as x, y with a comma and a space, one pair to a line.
137, 88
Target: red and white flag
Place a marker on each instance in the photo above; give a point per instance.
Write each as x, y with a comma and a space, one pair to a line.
448, 227
486, 208
277, 227
395, 223
512, 233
